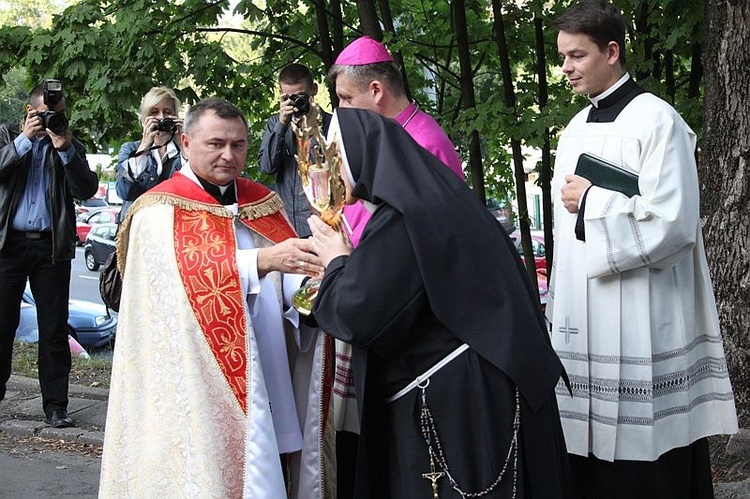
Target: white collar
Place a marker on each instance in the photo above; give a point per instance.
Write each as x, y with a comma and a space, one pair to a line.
189, 173
595, 100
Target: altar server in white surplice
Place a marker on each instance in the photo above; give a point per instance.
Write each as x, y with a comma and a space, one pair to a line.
215, 382
631, 306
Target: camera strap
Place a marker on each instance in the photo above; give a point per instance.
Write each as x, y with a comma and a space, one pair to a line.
135, 154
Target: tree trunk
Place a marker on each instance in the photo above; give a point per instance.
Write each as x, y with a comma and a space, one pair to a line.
725, 175
368, 19
468, 100
641, 26
545, 171
337, 42
644, 32
338, 27
326, 44
385, 13
515, 143
696, 71
669, 76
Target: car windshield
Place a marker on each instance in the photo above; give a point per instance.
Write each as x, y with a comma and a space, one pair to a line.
94, 202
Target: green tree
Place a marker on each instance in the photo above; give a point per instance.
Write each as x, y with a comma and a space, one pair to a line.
110, 53
14, 88
31, 12
13, 96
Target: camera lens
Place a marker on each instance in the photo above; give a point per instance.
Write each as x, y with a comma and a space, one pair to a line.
166, 125
57, 123
302, 103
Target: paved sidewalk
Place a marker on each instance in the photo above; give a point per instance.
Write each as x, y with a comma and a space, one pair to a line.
21, 414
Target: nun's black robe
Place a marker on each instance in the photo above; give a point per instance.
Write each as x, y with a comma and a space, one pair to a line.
402, 314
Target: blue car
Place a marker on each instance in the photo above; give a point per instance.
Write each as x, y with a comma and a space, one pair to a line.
89, 323
100, 242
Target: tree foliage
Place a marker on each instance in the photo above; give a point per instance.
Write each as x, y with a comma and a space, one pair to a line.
30, 12
110, 53
13, 96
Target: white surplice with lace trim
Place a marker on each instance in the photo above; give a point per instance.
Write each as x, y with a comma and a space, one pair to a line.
632, 309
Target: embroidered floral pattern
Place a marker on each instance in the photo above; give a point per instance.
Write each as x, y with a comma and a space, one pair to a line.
206, 259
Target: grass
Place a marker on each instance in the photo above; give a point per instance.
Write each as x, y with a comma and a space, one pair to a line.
94, 372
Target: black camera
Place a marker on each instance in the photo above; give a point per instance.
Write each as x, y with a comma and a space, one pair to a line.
166, 125
56, 122
301, 102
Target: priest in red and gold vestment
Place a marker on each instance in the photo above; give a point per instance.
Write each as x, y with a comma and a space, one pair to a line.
214, 377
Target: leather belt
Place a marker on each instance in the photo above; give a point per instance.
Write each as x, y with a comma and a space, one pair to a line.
31, 235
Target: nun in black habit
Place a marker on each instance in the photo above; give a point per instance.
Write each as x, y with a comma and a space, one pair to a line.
454, 373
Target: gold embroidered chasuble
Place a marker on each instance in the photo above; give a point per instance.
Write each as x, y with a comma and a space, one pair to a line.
188, 406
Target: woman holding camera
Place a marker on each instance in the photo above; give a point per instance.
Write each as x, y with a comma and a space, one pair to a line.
144, 163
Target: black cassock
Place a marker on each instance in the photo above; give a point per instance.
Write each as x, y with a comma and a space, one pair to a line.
375, 299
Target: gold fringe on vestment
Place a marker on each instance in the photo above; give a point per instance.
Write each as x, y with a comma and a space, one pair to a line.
265, 206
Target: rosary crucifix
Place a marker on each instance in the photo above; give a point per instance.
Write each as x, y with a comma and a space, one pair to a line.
433, 476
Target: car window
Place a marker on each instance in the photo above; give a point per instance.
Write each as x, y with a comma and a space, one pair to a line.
108, 231
517, 243
94, 202
537, 247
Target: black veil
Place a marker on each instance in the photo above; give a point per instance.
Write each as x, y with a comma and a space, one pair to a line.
474, 278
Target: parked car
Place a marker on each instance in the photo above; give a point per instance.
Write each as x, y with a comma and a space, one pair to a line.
99, 244
537, 246
89, 323
105, 216
502, 212
89, 206
541, 281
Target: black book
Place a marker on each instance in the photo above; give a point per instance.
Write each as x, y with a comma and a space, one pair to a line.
606, 174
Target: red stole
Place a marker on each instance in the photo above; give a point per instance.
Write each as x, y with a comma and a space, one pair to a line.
205, 244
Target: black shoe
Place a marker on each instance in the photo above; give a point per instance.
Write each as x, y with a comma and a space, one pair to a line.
2, 392
60, 419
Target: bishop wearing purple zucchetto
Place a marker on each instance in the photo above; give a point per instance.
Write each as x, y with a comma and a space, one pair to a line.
366, 77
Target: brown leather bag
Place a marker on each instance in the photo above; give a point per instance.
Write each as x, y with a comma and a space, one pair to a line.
110, 283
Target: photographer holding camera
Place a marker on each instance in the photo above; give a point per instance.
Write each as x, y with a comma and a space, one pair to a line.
41, 170
144, 163
279, 144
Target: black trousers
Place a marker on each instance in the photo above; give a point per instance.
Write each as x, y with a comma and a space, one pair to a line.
682, 473
346, 461
22, 259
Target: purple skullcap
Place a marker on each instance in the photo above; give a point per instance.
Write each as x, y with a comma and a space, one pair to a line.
363, 51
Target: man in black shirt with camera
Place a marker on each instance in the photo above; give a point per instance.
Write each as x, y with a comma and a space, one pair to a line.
41, 170
279, 144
